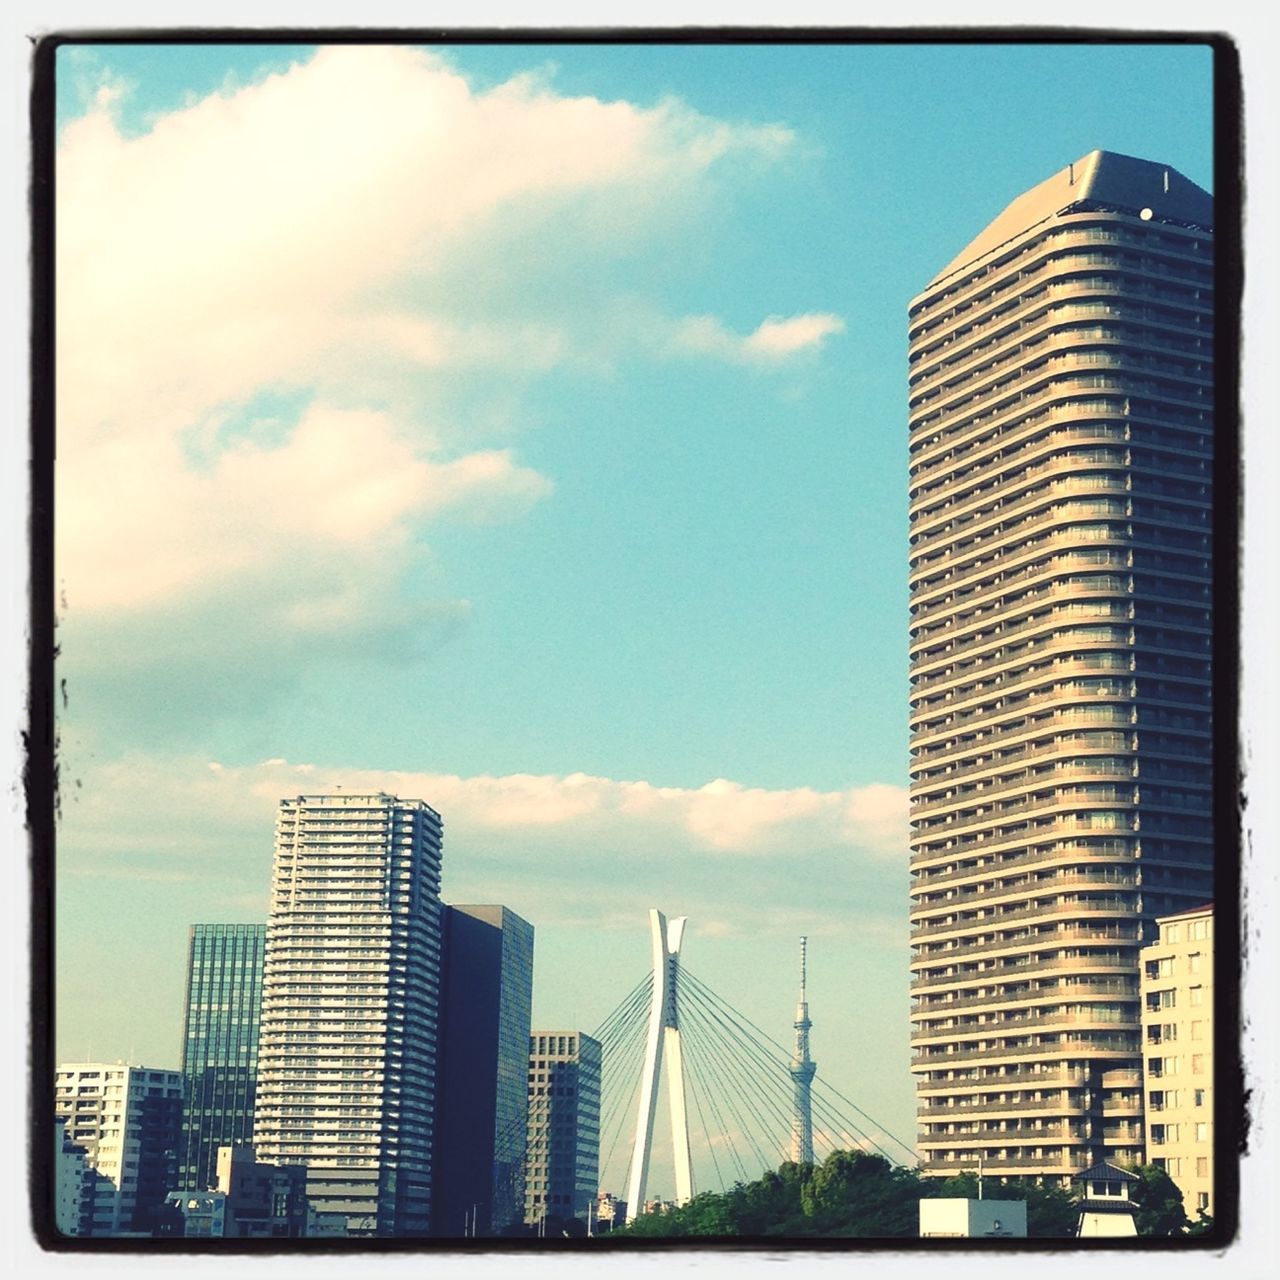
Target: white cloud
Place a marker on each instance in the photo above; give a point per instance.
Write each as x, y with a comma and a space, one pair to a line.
576, 814
352, 233
773, 341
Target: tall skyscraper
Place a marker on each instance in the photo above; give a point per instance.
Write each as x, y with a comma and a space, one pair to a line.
562, 1173
481, 1099
219, 1045
125, 1119
1061, 453
347, 1053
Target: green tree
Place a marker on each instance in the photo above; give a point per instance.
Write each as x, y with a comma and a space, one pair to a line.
855, 1194
1158, 1203
1202, 1226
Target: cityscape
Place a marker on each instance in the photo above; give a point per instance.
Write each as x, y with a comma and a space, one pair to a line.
591, 713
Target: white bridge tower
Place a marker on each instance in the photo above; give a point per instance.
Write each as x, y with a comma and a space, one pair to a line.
663, 1042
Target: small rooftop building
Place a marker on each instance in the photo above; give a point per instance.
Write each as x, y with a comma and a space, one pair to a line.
956, 1216
1105, 1207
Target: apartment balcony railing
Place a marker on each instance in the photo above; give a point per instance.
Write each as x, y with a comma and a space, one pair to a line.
1053, 328
1029, 942
978, 303
1070, 991
1041, 911
1014, 1025
1015, 424
1084, 1047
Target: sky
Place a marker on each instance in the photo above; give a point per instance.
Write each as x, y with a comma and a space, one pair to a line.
522, 428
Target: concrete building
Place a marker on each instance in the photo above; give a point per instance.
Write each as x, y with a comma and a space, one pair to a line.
72, 1185
126, 1121
957, 1217
481, 1100
346, 1060
1177, 1040
1061, 454
562, 1172
219, 1045
249, 1200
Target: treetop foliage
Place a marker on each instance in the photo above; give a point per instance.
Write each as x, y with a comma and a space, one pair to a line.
853, 1194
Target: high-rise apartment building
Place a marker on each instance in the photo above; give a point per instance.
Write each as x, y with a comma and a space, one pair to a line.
219, 1045
562, 1173
1061, 454
481, 1099
1177, 1043
347, 1051
125, 1120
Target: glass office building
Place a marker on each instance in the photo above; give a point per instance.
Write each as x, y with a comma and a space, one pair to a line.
482, 1106
219, 1045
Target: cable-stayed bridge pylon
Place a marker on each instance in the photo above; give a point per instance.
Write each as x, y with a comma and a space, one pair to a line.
737, 1098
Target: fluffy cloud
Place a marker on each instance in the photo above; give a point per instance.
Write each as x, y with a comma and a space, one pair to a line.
354, 237
774, 340
541, 841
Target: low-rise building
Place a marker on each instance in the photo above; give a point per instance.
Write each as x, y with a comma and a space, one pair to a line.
251, 1201
563, 1165
1177, 1037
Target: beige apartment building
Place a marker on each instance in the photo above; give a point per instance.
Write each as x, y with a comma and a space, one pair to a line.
1177, 1040
1061, 447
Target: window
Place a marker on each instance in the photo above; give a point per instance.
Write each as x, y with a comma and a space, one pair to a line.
1197, 995
1202, 1166
1199, 1097
1193, 962
1197, 1064
1202, 1200
1202, 1131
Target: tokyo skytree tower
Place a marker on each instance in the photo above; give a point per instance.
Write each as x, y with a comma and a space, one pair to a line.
802, 1071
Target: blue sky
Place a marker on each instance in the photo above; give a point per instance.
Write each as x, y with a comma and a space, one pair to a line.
522, 428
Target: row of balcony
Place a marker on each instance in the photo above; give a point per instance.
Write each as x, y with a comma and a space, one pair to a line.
1025, 963
1020, 421
939, 874
1058, 503
987, 444
1029, 941
1025, 380
977, 303
1055, 326
997, 919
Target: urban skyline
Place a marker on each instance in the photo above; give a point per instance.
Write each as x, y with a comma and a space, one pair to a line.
755, 794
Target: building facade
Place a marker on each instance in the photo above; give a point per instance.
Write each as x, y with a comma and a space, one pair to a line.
1061, 454
481, 1100
126, 1121
72, 1187
347, 1051
219, 1045
562, 1172
1177, 1041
